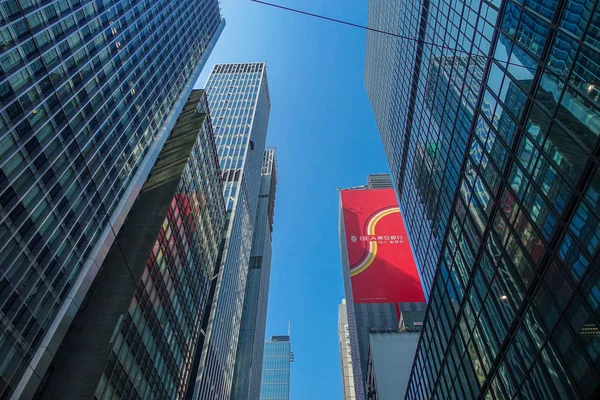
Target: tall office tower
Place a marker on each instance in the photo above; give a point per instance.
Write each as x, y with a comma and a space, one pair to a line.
345, 352
382, 285
137, 331
275, 382
248, 364
513, 282
238, 95
89, 92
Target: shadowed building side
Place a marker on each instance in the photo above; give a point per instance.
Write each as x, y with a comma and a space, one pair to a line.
109, 321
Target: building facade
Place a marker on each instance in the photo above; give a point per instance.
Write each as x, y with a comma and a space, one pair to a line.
379, 181
382, 286
163, 322
133, 340
345, 352
275, 381
513, 281
238, 96
248, 364
89, 93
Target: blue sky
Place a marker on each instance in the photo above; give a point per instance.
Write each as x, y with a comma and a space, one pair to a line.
323, 127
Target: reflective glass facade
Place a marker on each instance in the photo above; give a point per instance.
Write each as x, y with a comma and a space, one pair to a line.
156, 341
238, 95
248, 364
513, 278
88, 93
275, 382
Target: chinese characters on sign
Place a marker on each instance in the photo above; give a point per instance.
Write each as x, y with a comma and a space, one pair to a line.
392, 239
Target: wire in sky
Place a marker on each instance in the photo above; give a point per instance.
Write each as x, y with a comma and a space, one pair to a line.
442, 46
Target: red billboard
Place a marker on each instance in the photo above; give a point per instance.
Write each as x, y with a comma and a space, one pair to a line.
382, 267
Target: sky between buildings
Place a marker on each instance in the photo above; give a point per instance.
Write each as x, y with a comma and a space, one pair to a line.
323, 127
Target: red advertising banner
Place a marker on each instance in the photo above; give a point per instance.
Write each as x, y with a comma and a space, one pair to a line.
382, 267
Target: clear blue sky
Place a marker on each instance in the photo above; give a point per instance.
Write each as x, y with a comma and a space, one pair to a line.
323, 127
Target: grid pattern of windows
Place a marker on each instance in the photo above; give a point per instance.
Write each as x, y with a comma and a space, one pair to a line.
513, 279
248, 364
345, 353
85, 88
238, 95
156, 341
275, 382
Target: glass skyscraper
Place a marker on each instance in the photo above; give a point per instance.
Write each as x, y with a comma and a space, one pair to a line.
138, 339
275, 382
238, 96
157, 340
490, 118
248, 364
89, 92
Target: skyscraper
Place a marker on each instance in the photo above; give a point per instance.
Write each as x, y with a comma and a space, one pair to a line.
248, 365
275, 382
238, 96
379, 181
345, 352
138, 330
512, 276
89, 94
382, 286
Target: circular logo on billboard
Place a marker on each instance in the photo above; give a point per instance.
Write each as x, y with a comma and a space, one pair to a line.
372, 252
353, 239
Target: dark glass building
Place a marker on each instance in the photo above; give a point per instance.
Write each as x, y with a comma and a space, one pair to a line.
275, 382
513, 277
238, 95
133, 340
89, 92
248, 364
156, 342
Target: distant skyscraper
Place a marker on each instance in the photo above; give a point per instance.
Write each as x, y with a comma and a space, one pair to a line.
345, 352
382, 286
379, 181
505, 224
238, 95
89, 92
248, 365
275, 382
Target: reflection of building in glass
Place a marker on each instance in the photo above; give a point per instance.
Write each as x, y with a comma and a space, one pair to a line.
345, 352
248, 365
128, 331
513, 300
275, 381
238, 95
89, 92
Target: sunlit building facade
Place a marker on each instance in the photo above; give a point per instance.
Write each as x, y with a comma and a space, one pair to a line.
248, 364
238, 96
275, 382
512, 278
345, 353
135, 340
89, 92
